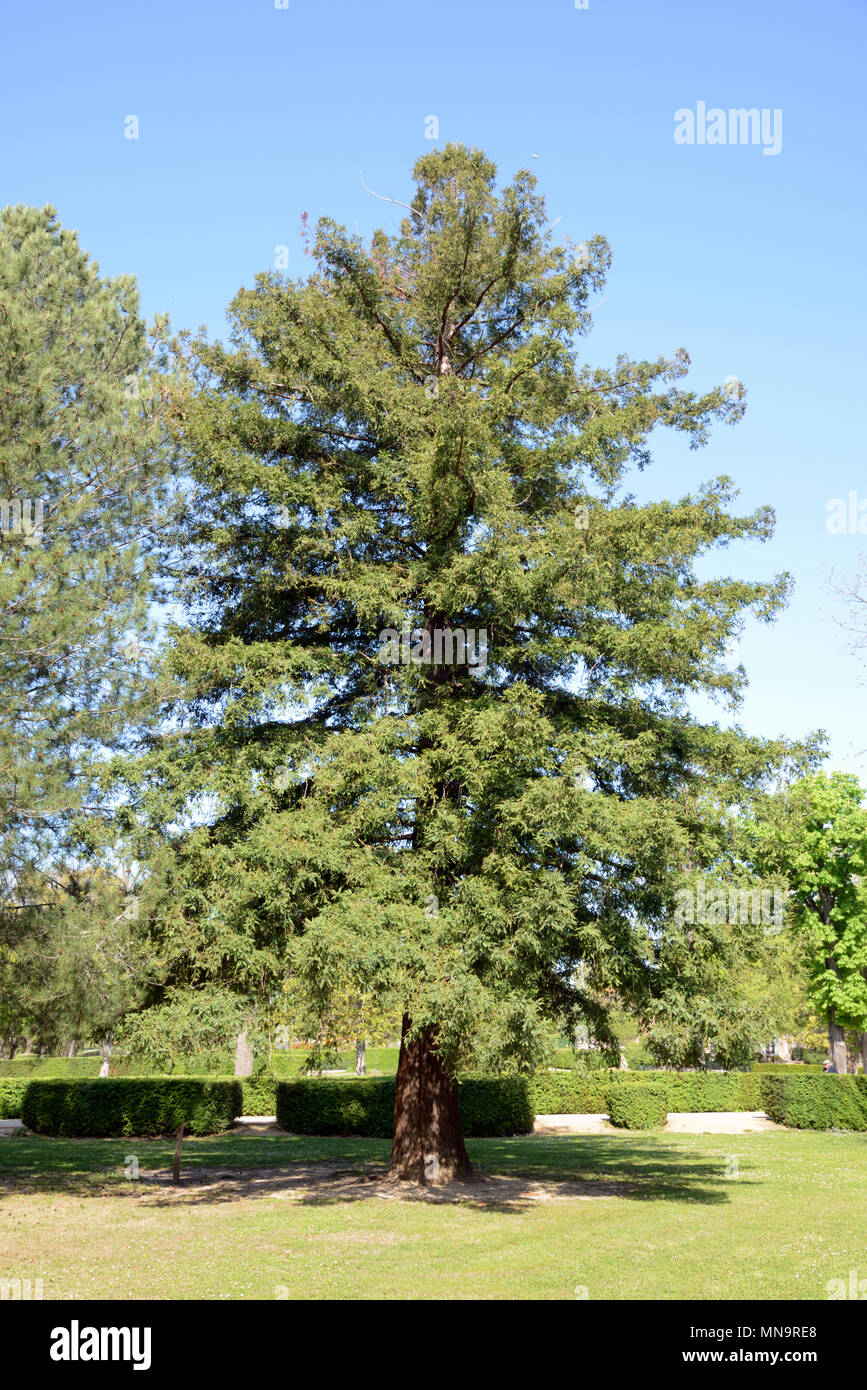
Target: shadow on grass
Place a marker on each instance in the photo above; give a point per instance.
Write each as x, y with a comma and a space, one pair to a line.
514, 1174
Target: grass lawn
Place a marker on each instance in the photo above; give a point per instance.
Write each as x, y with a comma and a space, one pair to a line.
794, 1217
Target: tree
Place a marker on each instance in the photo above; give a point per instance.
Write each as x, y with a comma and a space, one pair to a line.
84, 474
816, 835
433, 683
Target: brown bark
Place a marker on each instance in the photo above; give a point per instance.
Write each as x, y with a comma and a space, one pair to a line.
428, 1141
176, 1169
864, 1053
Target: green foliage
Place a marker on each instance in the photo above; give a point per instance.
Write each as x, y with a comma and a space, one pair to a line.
26, 1065
631, 1106
637, 1054
409, 440
85, 458
11, 1098
555, 1093
816, 836
816, 1102
489, 1105
131, 1106
788, 1068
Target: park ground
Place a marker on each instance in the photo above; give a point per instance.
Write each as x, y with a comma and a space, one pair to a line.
618, 1216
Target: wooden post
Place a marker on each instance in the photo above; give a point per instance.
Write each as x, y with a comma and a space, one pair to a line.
176, 1171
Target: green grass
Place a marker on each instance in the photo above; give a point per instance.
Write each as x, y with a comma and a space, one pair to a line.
794, 1218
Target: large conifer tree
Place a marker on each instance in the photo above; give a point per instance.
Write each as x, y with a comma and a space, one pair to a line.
409, 442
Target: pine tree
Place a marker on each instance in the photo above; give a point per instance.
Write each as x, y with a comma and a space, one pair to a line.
433, 688
84, 469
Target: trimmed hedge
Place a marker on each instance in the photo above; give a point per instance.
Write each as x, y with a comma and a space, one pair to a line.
141, 1106
788, 1068
637, 1106
11, 1098
575, 1093
29, 1065
816, 1102
490, 1106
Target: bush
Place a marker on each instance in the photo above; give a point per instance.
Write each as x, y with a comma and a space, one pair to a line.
788, 1068
490, 1106
638, 1107
553, 1093
816, 1102
141, 1106
29, 1065
259, 1093
11, 1098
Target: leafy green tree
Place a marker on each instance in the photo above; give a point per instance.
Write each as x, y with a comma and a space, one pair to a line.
84, 477
816, 836
404, 450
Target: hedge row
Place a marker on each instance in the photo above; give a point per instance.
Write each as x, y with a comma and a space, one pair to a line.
816, 1102
582, 1093
140, 1106
283, 1065
490, 1106
11, 1098
27, 1065
638, 1107
789, 1068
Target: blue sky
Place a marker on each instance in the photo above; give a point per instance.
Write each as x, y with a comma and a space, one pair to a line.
250, 115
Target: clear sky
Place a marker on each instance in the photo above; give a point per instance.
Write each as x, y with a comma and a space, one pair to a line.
249, 115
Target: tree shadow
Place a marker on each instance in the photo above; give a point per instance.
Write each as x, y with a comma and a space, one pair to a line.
513, 1175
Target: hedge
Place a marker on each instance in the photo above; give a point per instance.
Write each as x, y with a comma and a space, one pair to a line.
29, 1065
576, 1093
490, 1106
788, 1068
638, 1107
816, 1102
11, 1098
140, 1106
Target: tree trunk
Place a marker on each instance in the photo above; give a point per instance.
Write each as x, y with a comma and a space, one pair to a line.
360, 1057
105, 1054
837, 1045
243, 1055
176, 1168
864, 1053
783, 1049
428, 1141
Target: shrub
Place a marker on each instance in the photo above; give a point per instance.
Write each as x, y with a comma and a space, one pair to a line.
139, 1106
11, 1097
29, 1065
496, 1105
634, 1106
788, 1068
489, 1106
259, 1093
816, 1102
587, 1094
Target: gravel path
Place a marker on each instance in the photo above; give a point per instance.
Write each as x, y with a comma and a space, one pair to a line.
692, 1122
